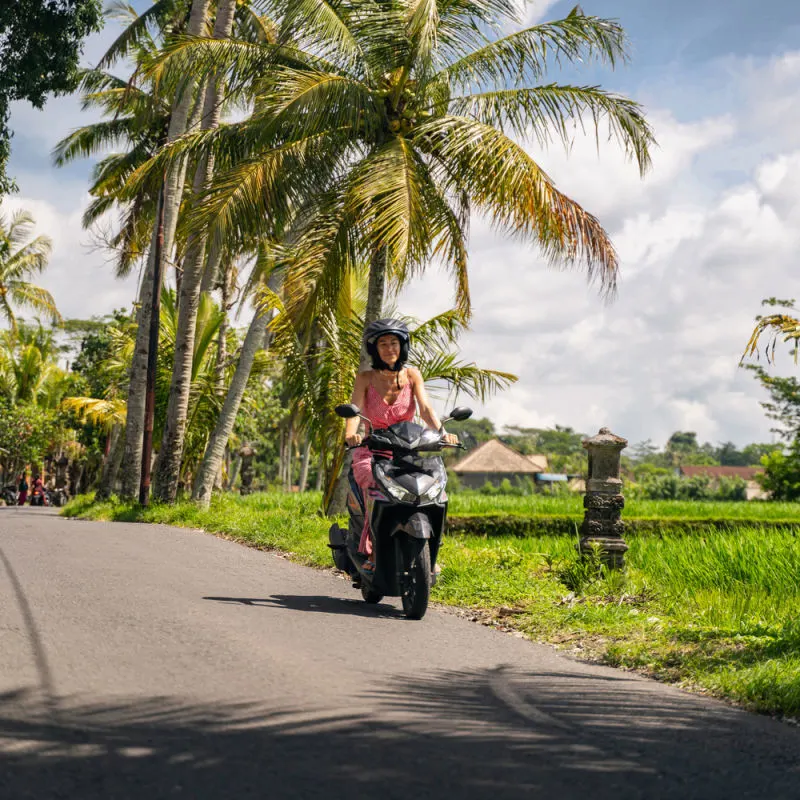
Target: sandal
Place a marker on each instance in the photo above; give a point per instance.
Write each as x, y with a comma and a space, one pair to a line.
368, 566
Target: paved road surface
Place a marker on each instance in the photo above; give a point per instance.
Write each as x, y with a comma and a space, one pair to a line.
149, 662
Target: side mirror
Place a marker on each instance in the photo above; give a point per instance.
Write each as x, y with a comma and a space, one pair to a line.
348, 410
460, 414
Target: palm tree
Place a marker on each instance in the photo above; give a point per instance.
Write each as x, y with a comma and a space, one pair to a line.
172, 446
321, 359
20, 258
401, 118
266, 278
137, 119
161, 246
29, 371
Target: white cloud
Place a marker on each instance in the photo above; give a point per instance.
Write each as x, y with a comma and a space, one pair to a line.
697, 253
79, 279
710, 231
536, 10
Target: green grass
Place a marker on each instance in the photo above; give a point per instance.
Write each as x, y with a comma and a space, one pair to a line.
719, 612
468, 503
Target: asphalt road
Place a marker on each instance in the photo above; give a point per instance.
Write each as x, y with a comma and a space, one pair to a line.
147, 662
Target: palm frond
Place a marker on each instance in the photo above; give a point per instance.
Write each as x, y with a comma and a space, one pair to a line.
504, 182
523, 56
161, 14
783, 327
547, 111
19, 229
422, 30
92, 139
460, 377
100, 412
35, 298
322, 27
29, 259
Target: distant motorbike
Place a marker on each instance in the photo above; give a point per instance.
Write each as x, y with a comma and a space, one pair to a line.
10, 494
39, 496
57, 497
409, 508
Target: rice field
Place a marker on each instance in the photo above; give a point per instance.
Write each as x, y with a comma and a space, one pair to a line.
469, 503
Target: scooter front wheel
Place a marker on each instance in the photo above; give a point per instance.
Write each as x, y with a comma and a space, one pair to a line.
370, 595
417, 589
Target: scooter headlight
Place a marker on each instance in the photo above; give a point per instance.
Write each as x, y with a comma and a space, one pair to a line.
435, 489
394, 488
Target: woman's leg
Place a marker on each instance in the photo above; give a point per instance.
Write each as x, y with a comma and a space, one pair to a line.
362, 472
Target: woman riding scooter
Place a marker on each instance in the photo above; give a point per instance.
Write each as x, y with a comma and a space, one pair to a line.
388, 393
39, 494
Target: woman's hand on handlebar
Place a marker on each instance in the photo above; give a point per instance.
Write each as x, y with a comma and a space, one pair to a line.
354, 440
450, 438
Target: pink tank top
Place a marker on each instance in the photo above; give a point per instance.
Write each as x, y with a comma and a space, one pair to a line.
382, 415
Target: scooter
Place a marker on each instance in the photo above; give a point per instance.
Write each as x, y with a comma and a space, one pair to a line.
38, 496
408, 509
10, 494
57, 497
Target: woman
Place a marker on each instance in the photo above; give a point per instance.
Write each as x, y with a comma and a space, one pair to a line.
38, 494
388, 393
22, 490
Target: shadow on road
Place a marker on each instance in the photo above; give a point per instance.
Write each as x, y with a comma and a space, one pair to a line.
317, 603
494, 734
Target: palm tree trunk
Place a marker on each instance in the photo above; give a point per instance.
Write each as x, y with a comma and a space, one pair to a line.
211, 272
173, 191
111, 465
320, 473
376, 293
282, 458
173, 440
134, 424
232, 473
288, 479
255, 340
222, 338
303, 483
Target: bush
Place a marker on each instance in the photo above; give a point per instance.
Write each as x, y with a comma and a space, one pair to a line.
782, 473
522, 487
697, 488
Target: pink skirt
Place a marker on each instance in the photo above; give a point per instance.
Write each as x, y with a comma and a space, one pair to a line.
362, 472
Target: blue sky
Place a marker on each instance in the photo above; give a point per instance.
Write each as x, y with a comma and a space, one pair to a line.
713, 229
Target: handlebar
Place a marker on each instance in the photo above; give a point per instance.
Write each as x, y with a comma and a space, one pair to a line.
365, 442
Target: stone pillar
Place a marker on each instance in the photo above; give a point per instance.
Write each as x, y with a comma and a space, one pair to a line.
603, 502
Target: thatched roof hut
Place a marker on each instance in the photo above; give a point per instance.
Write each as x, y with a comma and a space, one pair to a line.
494, 461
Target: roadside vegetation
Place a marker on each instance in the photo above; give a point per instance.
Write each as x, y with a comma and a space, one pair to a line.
715, 612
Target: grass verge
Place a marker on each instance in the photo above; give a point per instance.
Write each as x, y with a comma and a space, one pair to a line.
717, 612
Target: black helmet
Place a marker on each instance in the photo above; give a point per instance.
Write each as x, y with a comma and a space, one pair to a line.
382, 327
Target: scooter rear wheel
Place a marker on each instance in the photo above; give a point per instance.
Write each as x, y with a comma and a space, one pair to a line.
417, 592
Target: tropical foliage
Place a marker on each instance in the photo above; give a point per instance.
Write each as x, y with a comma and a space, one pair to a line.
22, 257
40, 44
364, 137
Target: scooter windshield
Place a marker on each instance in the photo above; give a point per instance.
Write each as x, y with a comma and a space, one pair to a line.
406, 436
